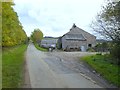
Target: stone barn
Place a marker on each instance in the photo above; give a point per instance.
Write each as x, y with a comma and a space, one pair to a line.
77, 39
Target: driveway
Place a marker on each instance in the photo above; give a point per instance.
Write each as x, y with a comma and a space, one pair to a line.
60, 70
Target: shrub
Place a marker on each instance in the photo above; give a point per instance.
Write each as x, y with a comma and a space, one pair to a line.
99, 53
115, 52
90, 50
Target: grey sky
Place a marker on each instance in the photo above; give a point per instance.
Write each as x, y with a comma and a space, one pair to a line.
56, 17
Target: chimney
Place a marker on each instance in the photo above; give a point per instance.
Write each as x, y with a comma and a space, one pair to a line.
74, 25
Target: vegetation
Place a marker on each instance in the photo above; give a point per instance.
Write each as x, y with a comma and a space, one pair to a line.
105, 66
40, 48
0, 69
102, 47
107, 23
12, 30
0, 24
37, 36
13, 39
0, 45
90, 50
115, 52
13, 47
12, 66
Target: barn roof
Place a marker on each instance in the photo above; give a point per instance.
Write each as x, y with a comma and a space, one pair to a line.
49, 41
75, 30
76, 33
75, 37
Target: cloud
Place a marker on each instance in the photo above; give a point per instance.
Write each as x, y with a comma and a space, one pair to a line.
55, 17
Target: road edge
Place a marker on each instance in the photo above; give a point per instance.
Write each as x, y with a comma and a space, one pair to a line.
26, 77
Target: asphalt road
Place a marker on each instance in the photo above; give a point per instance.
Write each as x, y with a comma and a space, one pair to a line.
60, 70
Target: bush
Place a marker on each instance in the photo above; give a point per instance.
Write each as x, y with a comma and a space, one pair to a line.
102, 47
90, 50
99, 53
115, 53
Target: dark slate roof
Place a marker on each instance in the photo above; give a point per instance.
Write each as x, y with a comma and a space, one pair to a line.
74, 37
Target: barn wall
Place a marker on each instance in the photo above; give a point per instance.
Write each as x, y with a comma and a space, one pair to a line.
90, 38
72, 43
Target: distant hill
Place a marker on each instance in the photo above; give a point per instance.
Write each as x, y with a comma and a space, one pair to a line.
102, 40
50, 37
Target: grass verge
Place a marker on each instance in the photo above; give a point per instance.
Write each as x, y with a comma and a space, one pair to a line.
0, 68
12, 66
40, 48
102, 65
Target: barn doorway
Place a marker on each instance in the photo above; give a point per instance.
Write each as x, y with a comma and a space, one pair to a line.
83, 48
89, 45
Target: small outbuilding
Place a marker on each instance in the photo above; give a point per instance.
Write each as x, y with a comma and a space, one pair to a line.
49, 42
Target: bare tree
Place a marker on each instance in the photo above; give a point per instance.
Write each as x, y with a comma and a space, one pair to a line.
107, 22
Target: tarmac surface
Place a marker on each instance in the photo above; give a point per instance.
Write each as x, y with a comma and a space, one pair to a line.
60, 70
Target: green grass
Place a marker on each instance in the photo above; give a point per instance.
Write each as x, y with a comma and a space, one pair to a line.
12, 66
0, 68
40, 48
103, 66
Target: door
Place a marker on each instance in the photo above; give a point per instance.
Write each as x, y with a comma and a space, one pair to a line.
83, 48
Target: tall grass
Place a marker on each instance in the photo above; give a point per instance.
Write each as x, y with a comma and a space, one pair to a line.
0, 68
12, 66
103, 66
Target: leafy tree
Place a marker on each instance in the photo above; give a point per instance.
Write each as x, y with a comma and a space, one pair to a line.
12, 30
107, 23
37, 35
0, 24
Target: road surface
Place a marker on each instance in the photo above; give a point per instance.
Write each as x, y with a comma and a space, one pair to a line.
60, 70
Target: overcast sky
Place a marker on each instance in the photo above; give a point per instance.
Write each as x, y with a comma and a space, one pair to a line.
56, 17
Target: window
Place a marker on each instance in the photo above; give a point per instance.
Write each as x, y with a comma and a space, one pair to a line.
89, 45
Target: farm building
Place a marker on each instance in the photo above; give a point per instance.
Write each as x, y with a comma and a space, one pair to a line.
77, 39
49, 42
